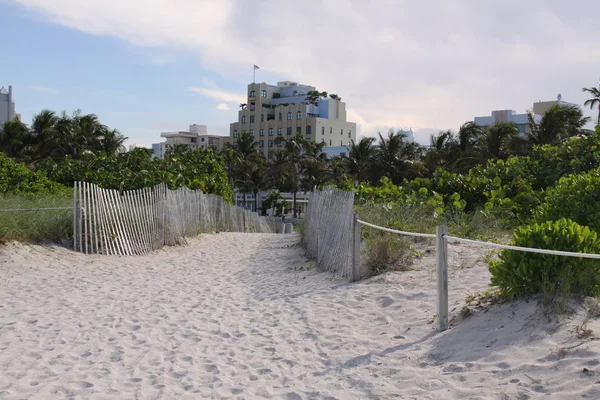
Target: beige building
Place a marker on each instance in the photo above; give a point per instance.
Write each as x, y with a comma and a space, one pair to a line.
283, 111
541, 107
196, 138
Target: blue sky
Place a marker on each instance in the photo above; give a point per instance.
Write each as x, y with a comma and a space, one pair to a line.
146, 66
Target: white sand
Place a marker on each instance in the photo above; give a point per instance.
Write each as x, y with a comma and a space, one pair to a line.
228, 317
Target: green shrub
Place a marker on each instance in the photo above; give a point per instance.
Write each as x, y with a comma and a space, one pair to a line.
576, 197
519, 273
17, 179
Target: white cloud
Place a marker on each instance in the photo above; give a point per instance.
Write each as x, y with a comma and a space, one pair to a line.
43, 89
223, 107
220, 95
396, 63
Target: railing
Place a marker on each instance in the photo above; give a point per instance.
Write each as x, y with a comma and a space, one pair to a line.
441, 245
139, 221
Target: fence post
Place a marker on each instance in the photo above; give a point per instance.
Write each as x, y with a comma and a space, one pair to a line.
75, 214
441, 249
356, 249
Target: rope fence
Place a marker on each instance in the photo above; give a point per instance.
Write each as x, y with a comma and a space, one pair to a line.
441, 245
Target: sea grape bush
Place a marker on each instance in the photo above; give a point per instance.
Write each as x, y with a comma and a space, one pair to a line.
17, 179
520, 274
576, 197
199, 169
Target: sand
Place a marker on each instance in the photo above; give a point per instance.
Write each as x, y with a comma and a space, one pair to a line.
233, 316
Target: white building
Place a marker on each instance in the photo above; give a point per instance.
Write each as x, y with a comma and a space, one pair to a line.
284, 111
7, 105
196, 137
521, 120
409, 135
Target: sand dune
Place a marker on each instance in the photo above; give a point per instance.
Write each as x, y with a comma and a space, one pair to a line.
232, 316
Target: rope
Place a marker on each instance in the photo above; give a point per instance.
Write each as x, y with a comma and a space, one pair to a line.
425, 235
525, 249
35, 209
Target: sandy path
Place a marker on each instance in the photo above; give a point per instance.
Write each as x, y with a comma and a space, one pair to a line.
229, 317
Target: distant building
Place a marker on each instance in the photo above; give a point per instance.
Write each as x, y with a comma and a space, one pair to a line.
500, 116
196, 138
520, 120
336, 151
284, 111
541, 107
7, 105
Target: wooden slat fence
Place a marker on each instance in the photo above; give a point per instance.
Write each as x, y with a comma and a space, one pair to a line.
133, 222
328, 230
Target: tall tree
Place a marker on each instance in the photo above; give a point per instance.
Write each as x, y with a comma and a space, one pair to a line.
594, 101
396, 158
360, 157
497, 141
557, 124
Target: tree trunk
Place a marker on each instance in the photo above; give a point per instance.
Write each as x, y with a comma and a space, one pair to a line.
295, 215
244, 199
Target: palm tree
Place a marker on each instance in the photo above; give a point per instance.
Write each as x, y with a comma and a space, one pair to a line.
360, 157
288, 164
557, 124
13, 136
497, 141
396, 158
112, 142
594, 101
442, 151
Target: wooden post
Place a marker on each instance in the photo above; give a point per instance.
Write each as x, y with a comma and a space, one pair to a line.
75, 213
441, 249
356, 249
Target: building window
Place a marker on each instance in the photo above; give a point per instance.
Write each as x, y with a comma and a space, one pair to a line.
330, 130
270, 131
298, 130
289, 130
193, 140
280, 116
308, 129
279, 144
341, 131
299, 115
270, 143
263, 93
261, 144
289, 116
261, 132
252, 132
279, 131
243, 119
235, 134
252, 119
322, 140
262, 117
341, 142
252, 106
349, 133
253, 94
322, 130
330, 142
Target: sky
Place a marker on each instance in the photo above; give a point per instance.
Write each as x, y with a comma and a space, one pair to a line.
148, 66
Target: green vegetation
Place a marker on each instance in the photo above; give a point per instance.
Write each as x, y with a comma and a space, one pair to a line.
574, 197
36, 226
518, 273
